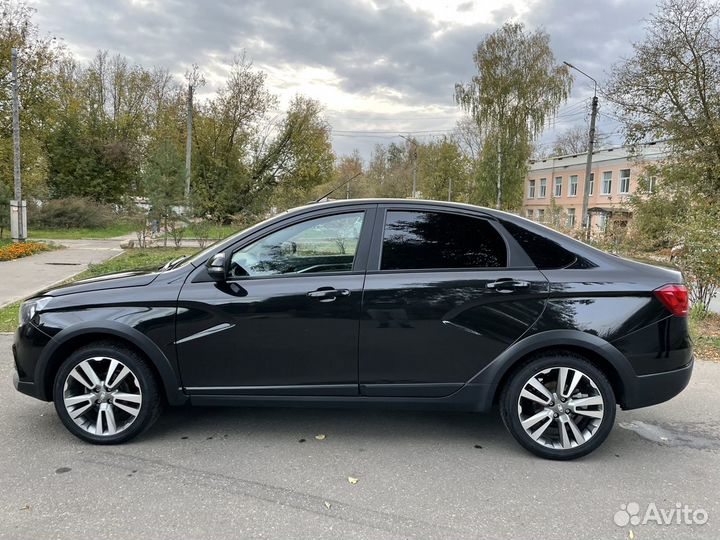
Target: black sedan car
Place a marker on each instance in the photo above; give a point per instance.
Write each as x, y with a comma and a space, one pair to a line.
386, 303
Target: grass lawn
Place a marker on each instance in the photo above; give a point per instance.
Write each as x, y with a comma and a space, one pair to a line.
119, 229
706, 337
133, 259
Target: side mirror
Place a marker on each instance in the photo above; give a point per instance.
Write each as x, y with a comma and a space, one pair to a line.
216, 267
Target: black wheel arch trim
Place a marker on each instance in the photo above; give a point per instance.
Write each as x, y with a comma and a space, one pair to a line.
170, 382
492, 376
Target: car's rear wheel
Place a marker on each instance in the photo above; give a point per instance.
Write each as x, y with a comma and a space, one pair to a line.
105, 393
558, 406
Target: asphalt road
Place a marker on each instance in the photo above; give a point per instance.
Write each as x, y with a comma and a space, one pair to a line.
226, 473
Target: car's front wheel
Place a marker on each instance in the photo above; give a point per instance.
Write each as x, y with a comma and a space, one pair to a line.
105, 393
558, 406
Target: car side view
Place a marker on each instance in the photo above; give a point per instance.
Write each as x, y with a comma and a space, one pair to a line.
385, 303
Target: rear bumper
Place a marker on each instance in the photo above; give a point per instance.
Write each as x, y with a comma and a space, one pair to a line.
646, 390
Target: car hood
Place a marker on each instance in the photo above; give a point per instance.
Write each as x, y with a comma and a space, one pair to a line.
107, 281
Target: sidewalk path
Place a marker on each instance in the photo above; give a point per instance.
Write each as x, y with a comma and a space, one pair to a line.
22, 277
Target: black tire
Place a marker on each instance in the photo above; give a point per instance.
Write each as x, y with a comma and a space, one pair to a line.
510, 398
149, 409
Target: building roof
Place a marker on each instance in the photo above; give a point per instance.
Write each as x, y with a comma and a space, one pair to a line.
647, 151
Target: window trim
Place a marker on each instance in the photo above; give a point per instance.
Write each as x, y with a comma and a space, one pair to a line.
620, 182
516, 259
609, 184
556, 185
543, 189
570, 185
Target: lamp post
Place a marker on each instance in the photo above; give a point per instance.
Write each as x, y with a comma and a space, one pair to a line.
591, 145
415, 164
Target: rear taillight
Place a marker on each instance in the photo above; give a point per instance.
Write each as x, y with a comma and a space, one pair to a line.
675, 298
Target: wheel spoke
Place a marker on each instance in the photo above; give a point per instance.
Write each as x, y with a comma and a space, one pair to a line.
540, 387
75, 413
562, 379
110, 419
129, 410
74, 400
564, 439
535, 418
579, 438
111, 369
539, 431
534, 397
586, 402
573, 384
89, 373
590, 414
75, 374
132, 398
123, 373
98, 422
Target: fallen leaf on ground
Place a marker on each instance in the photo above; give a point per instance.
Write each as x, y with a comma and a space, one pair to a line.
26, 507
320, 437
327, 505
352, 480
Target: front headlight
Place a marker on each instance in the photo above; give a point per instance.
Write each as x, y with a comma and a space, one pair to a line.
30, 308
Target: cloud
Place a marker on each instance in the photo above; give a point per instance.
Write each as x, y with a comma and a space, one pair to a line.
358, 55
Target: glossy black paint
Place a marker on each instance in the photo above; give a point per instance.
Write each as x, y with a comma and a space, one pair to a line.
426, 338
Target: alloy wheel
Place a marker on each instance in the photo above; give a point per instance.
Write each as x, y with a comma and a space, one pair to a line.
102, 396
560, 408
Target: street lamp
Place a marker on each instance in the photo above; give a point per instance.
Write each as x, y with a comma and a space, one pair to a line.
415, 164
591, 145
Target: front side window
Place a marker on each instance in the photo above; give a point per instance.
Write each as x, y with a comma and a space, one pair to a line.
428, 240
573, 185
607, 183
625, 181
543, 187
324, 244
531, 189
558, 186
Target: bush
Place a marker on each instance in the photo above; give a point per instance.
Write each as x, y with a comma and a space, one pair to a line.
71, 213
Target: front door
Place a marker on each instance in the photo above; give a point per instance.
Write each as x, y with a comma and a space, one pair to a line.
286, 320
443, 300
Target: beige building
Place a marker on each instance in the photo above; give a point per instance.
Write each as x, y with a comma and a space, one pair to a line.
554, 186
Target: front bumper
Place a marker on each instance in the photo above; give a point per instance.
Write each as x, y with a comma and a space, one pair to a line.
27, 347
646, 390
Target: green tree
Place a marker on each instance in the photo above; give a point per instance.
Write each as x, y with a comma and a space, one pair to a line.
444, 171
669, 88
518, 85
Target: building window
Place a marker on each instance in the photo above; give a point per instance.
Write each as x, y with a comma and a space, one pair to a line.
543, 188
541, 214
624, 181
652, 184
558, 186
529, 214
573, 185
592, 183
571, 217
531, 189
607, 183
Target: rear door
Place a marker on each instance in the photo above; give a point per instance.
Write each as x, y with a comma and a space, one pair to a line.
446, 292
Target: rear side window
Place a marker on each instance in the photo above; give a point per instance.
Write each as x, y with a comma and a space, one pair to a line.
426, 240
546, 254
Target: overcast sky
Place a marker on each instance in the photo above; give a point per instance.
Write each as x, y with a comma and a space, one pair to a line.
380, 67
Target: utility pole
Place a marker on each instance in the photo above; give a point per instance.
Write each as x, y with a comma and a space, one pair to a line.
450, 189
591, 144
415, 165
499, 174
188, 143
18, 218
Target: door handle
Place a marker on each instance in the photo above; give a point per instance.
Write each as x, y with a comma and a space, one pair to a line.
328, 294
508, 285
